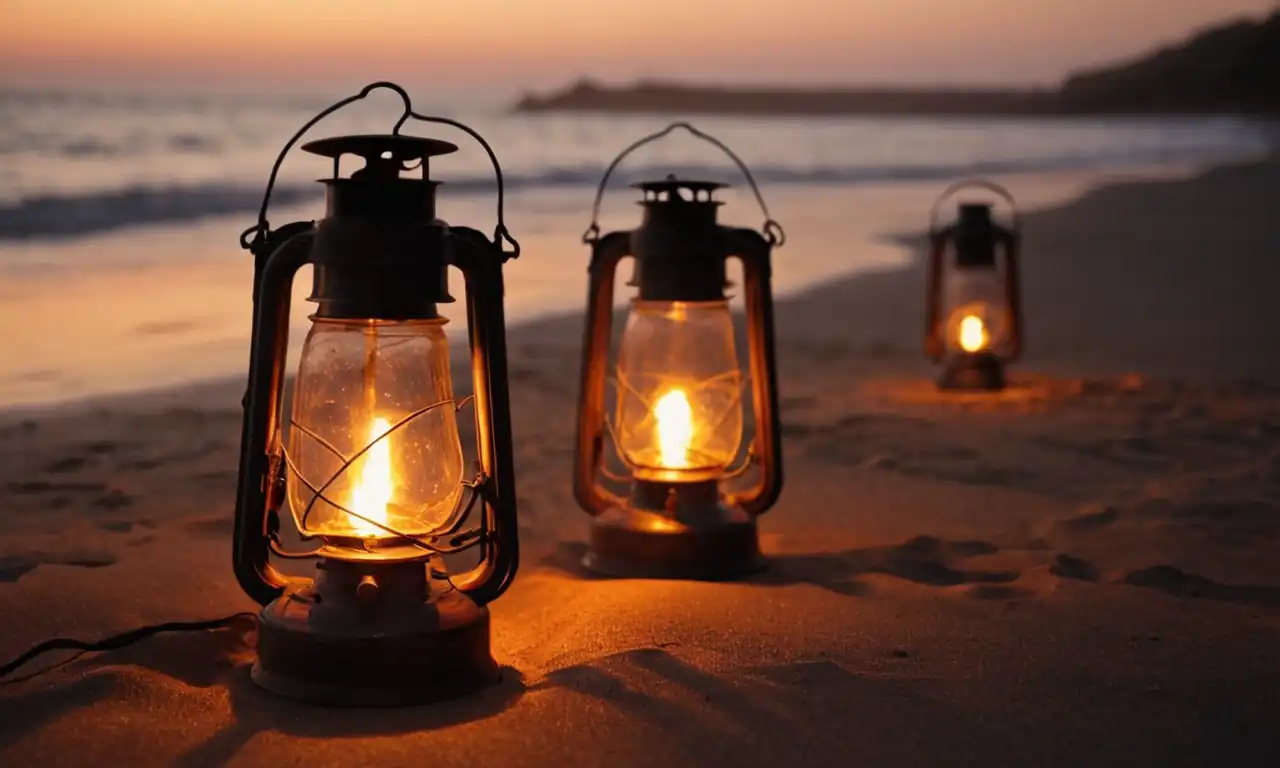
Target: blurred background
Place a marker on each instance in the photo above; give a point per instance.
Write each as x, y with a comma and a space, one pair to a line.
136, 136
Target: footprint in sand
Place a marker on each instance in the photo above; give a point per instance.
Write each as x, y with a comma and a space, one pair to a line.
1241, 520
927, 560
796, 431
24, 427
1066, 566
1094, 519
102, 447
113, 500
1177, 583
904, 444
1133, 452
66, 464
217, 475
997, 592
220, 528
923, 560
14, 567
29, 487
167, 327
797, 402
126, 526
981, 474
142, 465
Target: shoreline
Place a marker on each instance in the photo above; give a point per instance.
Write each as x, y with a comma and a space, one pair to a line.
556, 322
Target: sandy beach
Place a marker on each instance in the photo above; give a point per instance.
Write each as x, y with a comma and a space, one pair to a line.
1082, 570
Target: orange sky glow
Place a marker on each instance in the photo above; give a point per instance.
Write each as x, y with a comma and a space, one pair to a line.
520, 43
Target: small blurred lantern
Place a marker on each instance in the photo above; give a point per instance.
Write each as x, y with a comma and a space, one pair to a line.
973, 319
678, 423
371, 463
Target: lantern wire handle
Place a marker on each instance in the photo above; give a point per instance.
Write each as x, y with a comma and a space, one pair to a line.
773, 232
449, 531
349, 461
964, 184
620, 381
260, 229
501, 232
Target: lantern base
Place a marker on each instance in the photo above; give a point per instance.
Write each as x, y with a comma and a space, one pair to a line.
687, 534
973, 372
373, 635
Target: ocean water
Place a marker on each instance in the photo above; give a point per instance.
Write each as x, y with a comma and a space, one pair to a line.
120, 213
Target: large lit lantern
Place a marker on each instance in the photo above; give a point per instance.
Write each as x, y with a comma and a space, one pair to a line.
973, 323
370, 462
677, 420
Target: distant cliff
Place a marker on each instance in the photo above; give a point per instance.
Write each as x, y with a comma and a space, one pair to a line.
672, 97
1233, 68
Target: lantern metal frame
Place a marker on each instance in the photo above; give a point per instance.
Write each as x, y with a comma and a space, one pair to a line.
692, 528
379, 625
977, 238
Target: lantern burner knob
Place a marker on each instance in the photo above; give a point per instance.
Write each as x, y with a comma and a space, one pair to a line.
367, 590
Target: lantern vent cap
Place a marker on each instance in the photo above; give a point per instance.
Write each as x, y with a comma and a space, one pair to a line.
971, 211
676, 190
382, 151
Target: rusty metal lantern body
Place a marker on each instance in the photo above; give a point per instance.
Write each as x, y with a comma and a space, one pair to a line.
371, 461
973, 323
678, 423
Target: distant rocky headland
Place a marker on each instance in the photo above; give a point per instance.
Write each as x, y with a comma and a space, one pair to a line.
1229, 69
587, 96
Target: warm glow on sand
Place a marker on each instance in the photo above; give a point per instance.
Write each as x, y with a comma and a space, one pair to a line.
675, 429
973, 334
372, 492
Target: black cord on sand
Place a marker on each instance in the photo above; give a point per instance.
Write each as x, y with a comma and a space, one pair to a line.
110, 643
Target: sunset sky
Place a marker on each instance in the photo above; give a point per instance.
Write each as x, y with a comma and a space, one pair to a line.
513, 44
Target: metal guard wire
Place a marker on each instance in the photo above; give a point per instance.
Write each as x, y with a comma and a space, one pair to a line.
736, 469
772, 229
259, 231
443, 541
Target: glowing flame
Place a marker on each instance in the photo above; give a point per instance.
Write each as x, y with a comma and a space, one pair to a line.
675, 429
372, 490
973, 334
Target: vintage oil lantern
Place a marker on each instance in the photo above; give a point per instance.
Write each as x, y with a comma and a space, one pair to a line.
370, 461
677, 422
973, 311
